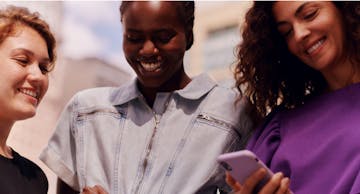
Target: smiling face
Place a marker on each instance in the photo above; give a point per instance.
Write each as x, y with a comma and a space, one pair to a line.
154, 41
314, 32
24, 81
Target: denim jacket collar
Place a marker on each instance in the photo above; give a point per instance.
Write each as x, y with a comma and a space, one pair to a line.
199, 86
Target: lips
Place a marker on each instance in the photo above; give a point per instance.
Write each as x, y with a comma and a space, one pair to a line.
30, 92
315, 46
150, 66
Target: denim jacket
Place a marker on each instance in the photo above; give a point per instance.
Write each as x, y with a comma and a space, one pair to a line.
111, 137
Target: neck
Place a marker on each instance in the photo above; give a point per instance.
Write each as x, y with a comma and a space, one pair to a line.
178, 81
344, 75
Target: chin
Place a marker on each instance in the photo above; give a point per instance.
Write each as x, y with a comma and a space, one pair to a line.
26, 114
151, 84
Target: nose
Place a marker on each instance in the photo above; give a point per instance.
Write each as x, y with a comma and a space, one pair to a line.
301, 32
148, 48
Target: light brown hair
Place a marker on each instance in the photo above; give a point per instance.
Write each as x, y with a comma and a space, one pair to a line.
13, 17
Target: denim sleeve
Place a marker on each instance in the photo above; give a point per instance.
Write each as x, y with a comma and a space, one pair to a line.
60, 153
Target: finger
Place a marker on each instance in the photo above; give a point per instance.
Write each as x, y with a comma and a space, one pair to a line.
284, 186
253, 180
232, 182
273, 184
87, 190
99, 189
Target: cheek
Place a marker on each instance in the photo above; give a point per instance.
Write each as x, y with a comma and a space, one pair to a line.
177, 45
292, 46
45, 84
130, 51
177, 50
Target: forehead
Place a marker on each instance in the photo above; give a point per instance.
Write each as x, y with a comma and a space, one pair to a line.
284, 9
151, 13
26, 38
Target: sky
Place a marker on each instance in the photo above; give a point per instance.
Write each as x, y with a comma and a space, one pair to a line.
85, 28
93, 28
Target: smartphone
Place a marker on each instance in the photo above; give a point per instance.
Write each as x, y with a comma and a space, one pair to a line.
242, 164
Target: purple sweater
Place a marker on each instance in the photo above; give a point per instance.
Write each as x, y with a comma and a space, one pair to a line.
316, 145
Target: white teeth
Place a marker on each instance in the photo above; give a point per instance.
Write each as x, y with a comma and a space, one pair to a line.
150, 66
315, 46
28, 92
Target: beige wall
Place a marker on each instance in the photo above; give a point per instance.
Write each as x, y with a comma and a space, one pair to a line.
211, 16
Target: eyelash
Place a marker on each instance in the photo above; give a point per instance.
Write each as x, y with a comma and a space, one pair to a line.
22, 61
133, 39
44, 68
310, 15
162, 39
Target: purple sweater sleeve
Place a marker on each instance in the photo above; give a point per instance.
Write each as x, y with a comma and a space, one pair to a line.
266, 139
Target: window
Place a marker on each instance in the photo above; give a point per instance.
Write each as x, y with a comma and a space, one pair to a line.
219, 48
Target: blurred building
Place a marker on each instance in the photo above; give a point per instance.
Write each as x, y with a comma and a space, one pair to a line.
86, 73
217, 33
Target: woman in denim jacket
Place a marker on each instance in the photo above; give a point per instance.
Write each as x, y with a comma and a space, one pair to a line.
160, 133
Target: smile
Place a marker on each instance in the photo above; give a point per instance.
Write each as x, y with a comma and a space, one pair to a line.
315, 46
29, 92
150, 67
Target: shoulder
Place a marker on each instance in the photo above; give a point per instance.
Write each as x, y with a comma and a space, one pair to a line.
227, 92
29, 168
93, 97
226, 103
95, 94
227, 99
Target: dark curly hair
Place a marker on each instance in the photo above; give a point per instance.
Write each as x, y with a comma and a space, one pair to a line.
270, 74
186, 10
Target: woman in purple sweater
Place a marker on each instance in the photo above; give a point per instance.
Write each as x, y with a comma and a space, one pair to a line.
301, 61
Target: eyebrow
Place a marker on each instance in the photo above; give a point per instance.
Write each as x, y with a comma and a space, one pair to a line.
300, 8
297, 13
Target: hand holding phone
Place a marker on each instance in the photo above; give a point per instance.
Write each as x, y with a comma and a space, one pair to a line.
242, 164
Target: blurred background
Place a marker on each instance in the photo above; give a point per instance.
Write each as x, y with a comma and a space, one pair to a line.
90, 54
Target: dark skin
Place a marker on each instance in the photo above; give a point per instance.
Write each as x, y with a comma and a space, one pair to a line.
156, 36
180, 78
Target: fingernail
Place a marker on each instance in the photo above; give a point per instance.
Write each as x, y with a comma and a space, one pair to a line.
279, 175
287, 181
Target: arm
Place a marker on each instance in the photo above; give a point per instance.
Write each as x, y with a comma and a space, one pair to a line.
63, 188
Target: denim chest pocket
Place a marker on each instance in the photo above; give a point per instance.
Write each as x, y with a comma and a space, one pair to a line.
211, 120
214, 130
93, 113
205, 139
98, 134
